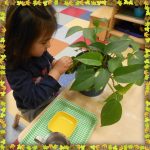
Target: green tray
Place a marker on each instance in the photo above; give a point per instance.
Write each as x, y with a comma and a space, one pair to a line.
86, 122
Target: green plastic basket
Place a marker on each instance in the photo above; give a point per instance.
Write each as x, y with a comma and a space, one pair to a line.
86, 122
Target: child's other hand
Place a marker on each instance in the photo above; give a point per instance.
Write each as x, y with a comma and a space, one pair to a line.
63, 64
60, 66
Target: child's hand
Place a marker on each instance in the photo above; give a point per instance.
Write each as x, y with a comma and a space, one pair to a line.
61, 66
54, 62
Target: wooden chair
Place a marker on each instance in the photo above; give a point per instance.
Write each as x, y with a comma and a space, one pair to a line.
13, 110
18, 116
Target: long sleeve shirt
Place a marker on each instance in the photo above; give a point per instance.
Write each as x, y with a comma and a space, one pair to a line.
31, 83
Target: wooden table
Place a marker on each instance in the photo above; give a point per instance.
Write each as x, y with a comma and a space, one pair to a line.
130, 129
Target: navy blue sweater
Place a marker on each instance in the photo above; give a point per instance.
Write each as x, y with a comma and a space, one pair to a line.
31, 83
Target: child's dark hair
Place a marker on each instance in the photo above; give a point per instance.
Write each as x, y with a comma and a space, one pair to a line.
24, 24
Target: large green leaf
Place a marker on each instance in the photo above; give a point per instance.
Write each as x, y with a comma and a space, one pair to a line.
136, 58
90, 34
73, 30
91, 58
116, 38
84, 80
116, 96
132, 43
82, 67
123, 89
113, 38
111, 112
99, 46
141, 80
117, 46
130, 74
127, 69
92, 48
136, 77
120, 55
101, 79
114, 63
79, 44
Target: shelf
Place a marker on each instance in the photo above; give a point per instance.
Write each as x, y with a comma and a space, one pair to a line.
129, 18
119, 34
101, 12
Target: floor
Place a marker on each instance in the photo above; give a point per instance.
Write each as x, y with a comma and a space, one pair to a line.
66, 17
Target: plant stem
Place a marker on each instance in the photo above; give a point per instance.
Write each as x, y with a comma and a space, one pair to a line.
111, 87
105, 60
113, 81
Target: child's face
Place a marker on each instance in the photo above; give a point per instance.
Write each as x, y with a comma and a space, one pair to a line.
40, 46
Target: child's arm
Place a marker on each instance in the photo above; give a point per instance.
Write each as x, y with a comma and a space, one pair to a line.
31, 95
28, 94
60, 66
55, 74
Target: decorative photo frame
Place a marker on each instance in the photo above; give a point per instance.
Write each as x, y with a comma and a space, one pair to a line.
5, 3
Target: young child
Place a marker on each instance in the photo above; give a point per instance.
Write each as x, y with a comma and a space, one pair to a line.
30, 70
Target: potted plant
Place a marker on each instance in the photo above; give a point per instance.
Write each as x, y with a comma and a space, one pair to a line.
99, 63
